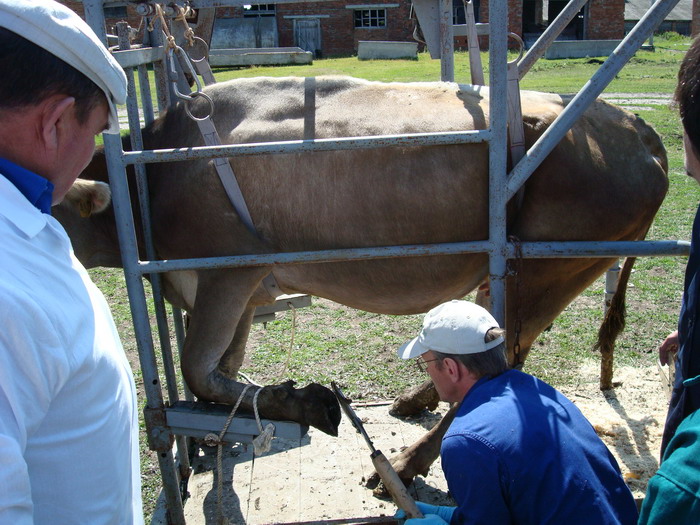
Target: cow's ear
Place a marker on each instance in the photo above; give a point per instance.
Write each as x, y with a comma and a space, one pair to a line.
88, 196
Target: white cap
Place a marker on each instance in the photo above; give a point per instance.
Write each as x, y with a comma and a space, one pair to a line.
456, 327
63, 33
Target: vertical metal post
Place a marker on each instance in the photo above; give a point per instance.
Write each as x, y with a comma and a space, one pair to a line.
95, 18
447, 42
475, 67
498, 104
139, 312
156, 285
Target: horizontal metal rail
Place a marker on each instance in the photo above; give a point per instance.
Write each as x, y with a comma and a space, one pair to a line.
302, 146
530, 250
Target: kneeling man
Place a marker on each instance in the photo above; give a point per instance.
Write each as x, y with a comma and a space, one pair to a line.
518, 451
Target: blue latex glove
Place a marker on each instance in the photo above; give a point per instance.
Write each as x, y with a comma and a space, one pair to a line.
444, 514
427, 519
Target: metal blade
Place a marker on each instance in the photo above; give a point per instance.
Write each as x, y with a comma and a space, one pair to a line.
347, 409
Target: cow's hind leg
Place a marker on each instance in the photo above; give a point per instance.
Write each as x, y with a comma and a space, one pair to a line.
220, 305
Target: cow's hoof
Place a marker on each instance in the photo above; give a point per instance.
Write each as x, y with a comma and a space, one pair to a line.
416, 400
314, 405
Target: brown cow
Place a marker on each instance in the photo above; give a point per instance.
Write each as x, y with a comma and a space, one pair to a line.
604, 181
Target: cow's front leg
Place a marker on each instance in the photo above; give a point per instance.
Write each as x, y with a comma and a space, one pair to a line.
220, 306
233, 357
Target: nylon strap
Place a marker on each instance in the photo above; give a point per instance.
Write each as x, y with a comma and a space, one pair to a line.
225, 172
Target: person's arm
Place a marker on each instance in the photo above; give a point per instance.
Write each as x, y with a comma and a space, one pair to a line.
474, 475
668, 348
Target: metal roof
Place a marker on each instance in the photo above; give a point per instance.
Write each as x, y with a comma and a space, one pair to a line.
635, 9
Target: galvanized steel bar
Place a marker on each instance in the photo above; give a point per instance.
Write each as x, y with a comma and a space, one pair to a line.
498, 104
145, 89
447, 42
534, 250
139, 312
95, 17
586, 249
302, 146
550, 34
156, 285
598, 82
138, 57
349, 254
144, 200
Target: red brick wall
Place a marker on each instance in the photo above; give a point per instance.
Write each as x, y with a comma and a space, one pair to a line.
606, 19
338, 34
339, 37
515, 15
132, 18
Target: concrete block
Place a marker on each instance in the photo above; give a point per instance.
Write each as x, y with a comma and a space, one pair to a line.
271, 56
368, 50
580, 48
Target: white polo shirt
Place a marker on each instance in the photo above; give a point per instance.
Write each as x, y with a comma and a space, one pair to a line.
68, 420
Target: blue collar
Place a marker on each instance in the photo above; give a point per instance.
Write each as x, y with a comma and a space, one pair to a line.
37, 189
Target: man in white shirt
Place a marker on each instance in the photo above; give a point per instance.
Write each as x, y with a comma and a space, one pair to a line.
68, 420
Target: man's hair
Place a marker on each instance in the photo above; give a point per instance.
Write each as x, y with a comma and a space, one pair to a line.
35, 74
687, 94
484, 364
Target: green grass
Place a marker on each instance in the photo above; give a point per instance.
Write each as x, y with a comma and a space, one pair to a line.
357, 349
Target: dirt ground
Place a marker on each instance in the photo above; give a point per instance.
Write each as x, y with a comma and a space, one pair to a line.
629, 419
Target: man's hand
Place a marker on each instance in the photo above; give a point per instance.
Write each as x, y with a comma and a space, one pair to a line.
668, 349
433, 515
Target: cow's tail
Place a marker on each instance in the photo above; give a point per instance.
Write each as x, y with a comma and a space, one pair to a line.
612, 325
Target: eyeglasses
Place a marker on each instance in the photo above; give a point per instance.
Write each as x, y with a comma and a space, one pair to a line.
422, 364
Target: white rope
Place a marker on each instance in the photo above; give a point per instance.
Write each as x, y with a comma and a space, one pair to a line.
211, 440
261, 444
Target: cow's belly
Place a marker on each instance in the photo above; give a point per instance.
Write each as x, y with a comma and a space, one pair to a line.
391, 286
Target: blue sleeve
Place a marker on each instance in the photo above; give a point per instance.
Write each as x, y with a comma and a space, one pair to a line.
476, 479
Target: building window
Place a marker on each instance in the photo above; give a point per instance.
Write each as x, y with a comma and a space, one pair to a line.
115, 12
370, 18
259, 10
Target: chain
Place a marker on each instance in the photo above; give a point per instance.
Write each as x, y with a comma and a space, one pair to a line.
516, 271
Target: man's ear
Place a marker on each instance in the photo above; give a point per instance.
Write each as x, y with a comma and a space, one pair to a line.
55, 112
453, 369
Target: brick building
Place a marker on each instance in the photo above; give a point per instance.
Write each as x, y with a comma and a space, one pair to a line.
335, 27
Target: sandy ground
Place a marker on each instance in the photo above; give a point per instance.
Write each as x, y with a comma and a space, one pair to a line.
319, 479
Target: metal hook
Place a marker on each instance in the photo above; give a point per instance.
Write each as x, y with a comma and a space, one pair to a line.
521, 45
207, 98
183, 58
205, 48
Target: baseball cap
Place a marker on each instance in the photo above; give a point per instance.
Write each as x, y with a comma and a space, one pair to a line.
63, 33
455, 327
